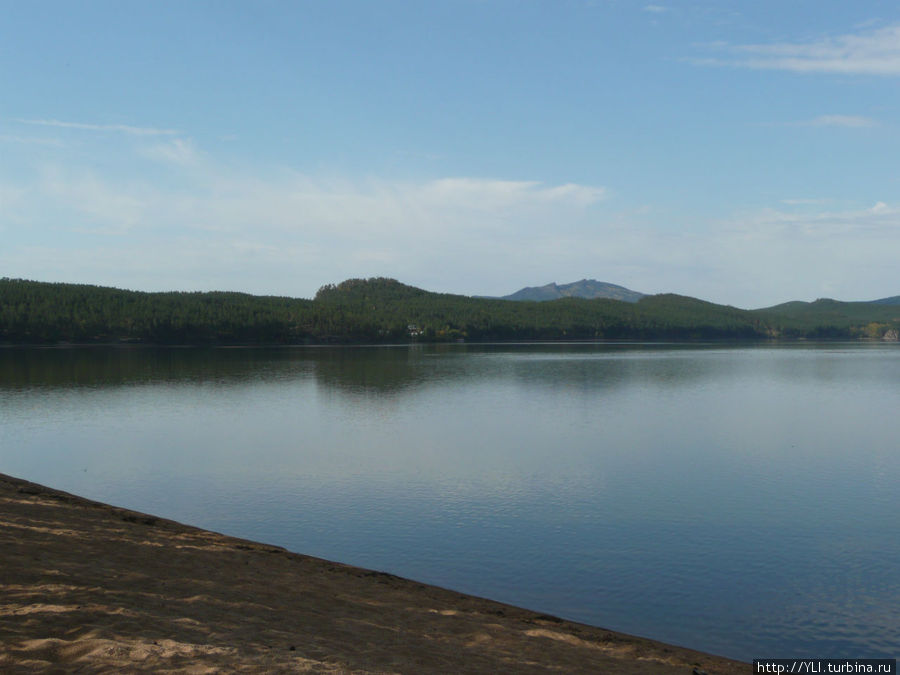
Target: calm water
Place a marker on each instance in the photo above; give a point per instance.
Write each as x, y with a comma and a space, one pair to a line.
740, 500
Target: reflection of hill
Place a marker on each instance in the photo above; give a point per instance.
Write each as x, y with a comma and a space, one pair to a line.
592, 368
349, 369
578, 368
110, 366
380, 371
364, 370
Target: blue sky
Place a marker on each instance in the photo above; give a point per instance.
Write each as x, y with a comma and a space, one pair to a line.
741, 152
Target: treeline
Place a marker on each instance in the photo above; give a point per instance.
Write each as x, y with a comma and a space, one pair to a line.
827, 318
384, 310
35, 312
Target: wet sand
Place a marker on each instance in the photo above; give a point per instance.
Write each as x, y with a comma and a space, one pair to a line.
88, 587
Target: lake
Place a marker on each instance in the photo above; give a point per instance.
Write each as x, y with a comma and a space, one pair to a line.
736, 499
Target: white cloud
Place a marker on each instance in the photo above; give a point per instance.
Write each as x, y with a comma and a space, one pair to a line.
177, 151
119, 128
198, 226
851, 121
754, 259
876, 222
90, 202
870, 52
778, 255
498, 194
799, 201
10, 197
246, 231
656, 9
31, 140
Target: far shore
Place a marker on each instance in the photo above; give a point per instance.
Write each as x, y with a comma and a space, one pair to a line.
737, 341
89, 587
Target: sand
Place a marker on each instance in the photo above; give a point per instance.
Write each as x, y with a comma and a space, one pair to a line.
91, 588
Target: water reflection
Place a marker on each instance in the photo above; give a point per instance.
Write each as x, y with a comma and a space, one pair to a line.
740, 500
363, 371
379, 370
394, 370
111, 366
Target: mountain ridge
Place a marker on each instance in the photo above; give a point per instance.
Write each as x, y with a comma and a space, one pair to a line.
589, 289
893, 300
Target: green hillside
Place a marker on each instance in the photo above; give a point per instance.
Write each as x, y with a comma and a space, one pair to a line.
384, 310
35, 312
893, 300
827, 318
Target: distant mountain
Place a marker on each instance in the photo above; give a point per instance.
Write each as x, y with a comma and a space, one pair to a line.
586, 288
893, 300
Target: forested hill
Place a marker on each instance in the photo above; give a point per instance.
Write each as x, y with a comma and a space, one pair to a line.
35, 312
384, 310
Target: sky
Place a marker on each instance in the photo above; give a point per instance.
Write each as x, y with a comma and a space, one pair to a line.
746, 153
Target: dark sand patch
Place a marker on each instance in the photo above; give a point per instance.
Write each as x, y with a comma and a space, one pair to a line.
89, 587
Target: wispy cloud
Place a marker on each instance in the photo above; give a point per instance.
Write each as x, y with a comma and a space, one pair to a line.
177, 151
118, 128
93, 203
849, 121
9, 195
235, 227
869, 52
655, 9
879, 221
31, 140
203, 224
778, 254
491, 194
803, 201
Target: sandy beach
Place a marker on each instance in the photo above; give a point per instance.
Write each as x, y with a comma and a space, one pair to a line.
88, 587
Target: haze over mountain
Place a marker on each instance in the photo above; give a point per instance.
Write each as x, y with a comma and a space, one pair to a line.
586, 288
591, 289
893, 300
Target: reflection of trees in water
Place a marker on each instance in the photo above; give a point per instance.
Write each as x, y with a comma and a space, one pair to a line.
363, 371
577, 367
360, 370
378, 369
107, 366
346, 368
597, 367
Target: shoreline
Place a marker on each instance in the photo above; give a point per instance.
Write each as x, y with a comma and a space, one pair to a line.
726, 341
94, 587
